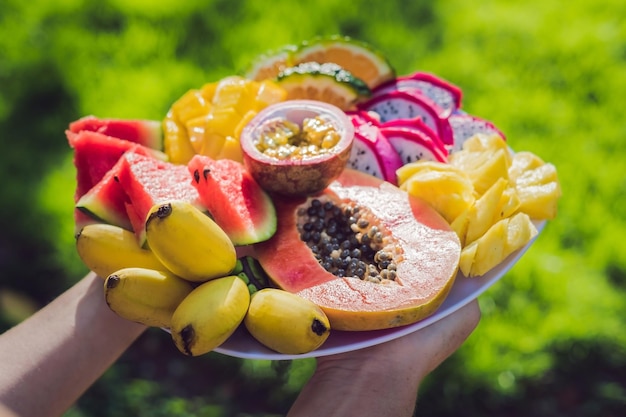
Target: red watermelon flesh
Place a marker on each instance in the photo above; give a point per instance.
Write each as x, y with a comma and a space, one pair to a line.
106, 201
95, 154
148, 181
234, 199
144, 132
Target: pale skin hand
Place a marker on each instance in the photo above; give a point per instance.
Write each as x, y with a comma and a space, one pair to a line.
383, 380
49, 360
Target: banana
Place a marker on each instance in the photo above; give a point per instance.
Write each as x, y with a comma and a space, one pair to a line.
286, 322
105, 248
209, 315
144, 295
188, 242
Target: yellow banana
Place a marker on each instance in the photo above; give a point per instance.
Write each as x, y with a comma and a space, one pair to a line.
209, 315
188, 242
286, 322
105, 248
146, 296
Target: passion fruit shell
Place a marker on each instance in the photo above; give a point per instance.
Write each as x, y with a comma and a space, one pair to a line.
304, 173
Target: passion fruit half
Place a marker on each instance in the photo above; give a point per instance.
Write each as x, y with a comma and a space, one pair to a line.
297, 147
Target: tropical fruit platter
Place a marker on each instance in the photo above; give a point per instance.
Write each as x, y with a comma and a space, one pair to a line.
316, 203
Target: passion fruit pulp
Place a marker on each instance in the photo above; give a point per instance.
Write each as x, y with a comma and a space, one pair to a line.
297, 147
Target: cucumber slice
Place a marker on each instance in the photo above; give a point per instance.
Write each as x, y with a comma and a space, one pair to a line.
327, 82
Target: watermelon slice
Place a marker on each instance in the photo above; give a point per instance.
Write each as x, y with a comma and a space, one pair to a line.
148, 181
148, 133
106, 201
95, 154
234, 199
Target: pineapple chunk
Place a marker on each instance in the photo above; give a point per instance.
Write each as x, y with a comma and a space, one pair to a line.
408, 170
231, 149
542, 174
176, 141
481, 142
486, 210
191, 105
484, 167
496, 166
522, 162
509, 203
502, 239
539, 201
449, 192
461, 223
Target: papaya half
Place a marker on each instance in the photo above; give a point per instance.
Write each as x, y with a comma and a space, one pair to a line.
369, 254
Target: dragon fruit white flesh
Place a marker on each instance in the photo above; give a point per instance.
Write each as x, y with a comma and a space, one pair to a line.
464, 126
445, 95
413, 145
372, 153
404, 105
417, 124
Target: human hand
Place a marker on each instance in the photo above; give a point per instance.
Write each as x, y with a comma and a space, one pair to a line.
384, 379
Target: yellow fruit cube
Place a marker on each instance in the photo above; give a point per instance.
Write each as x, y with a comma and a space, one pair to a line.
539, 201
501, 240
542, 174
191, 105
175, 141
482, 142
495, 166
408, 170
486, 211
196, 128
450, 193
269, 92
522, 162
520, 231
231, 149
509, 203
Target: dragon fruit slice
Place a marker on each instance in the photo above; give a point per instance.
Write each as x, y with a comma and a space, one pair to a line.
463, 126
417, 124
414, 145
371, 151
404, 105
447, 96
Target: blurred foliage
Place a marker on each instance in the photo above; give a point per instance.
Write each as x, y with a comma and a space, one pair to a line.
551, 75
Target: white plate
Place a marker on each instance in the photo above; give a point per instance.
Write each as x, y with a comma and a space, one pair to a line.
464, 290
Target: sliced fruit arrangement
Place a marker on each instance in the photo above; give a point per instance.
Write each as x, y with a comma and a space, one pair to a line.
310, 194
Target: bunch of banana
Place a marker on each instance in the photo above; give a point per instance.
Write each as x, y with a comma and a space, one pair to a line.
189, 280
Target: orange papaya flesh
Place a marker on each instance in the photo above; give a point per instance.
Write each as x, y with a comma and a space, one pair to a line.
426, 269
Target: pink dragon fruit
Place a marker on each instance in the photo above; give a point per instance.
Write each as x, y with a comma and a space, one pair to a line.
417, 124
463, 126
404, 105
445, 95
371, 152
414, 145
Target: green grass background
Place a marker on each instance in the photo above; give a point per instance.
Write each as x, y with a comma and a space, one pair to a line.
550, 74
